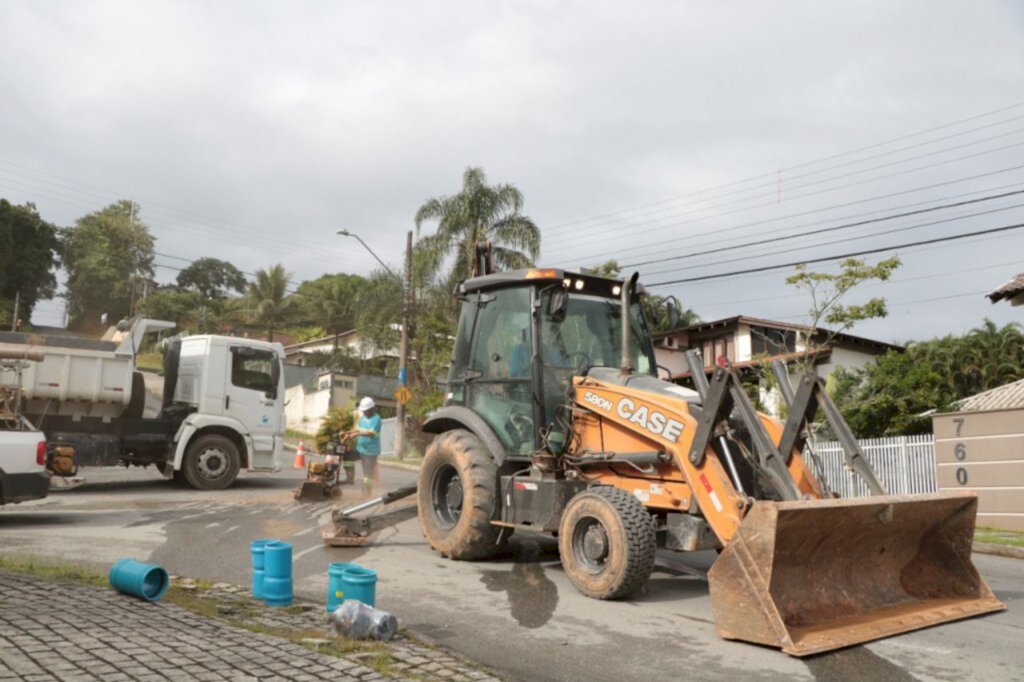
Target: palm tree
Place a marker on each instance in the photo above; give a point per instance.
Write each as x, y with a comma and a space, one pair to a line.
268, 298
480, 212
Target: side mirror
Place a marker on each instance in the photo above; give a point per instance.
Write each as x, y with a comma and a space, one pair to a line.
673, 313
558, 305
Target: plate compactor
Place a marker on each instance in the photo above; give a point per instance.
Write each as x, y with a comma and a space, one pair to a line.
556, 422
323, 477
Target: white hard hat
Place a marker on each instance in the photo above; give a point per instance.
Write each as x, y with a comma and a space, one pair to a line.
366, 404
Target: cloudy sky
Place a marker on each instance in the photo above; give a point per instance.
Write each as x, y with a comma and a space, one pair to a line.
253, 131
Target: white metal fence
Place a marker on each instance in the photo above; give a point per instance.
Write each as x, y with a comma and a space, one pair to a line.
904, 464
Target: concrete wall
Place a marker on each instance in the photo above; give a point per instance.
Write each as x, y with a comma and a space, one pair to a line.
846, 358
672, 359
984, 451
305, 411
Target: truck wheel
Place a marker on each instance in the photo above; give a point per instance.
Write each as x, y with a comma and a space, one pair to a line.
211, 463
607, 543
456, 496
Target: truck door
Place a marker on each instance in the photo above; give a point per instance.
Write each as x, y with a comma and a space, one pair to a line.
251, 397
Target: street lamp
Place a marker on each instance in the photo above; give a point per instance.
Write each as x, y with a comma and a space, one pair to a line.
403, 352
346, 233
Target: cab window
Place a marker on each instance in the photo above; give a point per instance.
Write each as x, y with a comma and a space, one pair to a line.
254, 370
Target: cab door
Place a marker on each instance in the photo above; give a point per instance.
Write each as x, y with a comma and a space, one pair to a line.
252, 396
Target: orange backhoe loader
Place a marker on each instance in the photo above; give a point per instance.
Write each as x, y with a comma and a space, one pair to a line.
556, 422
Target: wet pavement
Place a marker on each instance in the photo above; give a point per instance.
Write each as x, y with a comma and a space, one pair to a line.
517, 613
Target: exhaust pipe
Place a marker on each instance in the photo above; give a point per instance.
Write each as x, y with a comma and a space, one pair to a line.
626, 362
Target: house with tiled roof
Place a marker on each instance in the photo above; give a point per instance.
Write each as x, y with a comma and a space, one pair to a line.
1012, 291
749, 342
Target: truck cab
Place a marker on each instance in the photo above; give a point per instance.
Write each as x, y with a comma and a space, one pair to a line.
228, 394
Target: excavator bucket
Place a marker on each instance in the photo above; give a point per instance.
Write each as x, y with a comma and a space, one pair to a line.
811, 576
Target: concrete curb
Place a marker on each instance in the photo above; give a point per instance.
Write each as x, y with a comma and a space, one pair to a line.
998, 550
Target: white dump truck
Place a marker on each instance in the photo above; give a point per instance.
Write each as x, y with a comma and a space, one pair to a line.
222, 407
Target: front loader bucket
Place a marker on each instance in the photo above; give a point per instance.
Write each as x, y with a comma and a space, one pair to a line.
810, 576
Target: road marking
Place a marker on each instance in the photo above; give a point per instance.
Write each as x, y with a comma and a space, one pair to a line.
306, 551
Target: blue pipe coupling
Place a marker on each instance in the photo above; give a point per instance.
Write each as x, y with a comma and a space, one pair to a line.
277, 573
257, 552
145, 581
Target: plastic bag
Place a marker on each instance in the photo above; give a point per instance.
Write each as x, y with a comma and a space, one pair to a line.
356, 620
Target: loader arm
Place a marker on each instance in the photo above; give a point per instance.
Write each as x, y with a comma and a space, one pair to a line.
798, 572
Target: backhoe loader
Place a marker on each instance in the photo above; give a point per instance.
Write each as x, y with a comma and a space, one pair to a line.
555, 421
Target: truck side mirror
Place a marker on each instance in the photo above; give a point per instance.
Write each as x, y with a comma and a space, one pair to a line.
275, 377
673, 313
558, 305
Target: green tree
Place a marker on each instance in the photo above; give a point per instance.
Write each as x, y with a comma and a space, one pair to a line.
827, 291
895, 394
102, 254
213, 280
480, 212
173, 305
332, 300
268, 296
28, 256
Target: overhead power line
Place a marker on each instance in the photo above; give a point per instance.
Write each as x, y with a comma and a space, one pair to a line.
894, 216
719, 231
773, 194
616, 230
905, 228
805, 164
852, 254
894, 281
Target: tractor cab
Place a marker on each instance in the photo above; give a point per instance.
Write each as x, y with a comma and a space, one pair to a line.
524, 334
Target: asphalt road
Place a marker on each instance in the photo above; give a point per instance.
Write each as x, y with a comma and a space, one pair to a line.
517, 613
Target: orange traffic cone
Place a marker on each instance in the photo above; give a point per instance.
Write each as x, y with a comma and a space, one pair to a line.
300, 456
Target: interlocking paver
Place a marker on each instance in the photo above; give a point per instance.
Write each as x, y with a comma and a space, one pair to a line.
112, 637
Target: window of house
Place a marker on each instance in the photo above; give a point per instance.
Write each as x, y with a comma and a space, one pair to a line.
765, 340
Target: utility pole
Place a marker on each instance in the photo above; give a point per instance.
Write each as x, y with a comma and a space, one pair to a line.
17, 300
403, 351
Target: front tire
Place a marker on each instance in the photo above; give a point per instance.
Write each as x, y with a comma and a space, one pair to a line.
211, 463
607, 543
456, 496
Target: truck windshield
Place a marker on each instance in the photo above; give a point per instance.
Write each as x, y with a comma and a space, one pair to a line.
590, 336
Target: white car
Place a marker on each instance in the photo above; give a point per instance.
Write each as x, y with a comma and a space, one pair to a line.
23, 474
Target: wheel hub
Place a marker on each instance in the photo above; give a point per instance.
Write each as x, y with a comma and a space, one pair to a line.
454, 495
212, 462
595, 544
446, 496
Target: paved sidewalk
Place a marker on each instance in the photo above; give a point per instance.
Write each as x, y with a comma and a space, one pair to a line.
58, 631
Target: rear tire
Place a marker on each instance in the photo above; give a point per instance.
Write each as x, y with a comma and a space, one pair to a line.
607, 543
456, 496
211, 463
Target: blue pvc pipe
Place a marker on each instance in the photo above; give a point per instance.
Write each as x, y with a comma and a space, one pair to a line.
277, 573
360, 583
335, 588
257, 553
277, 559
137, 579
